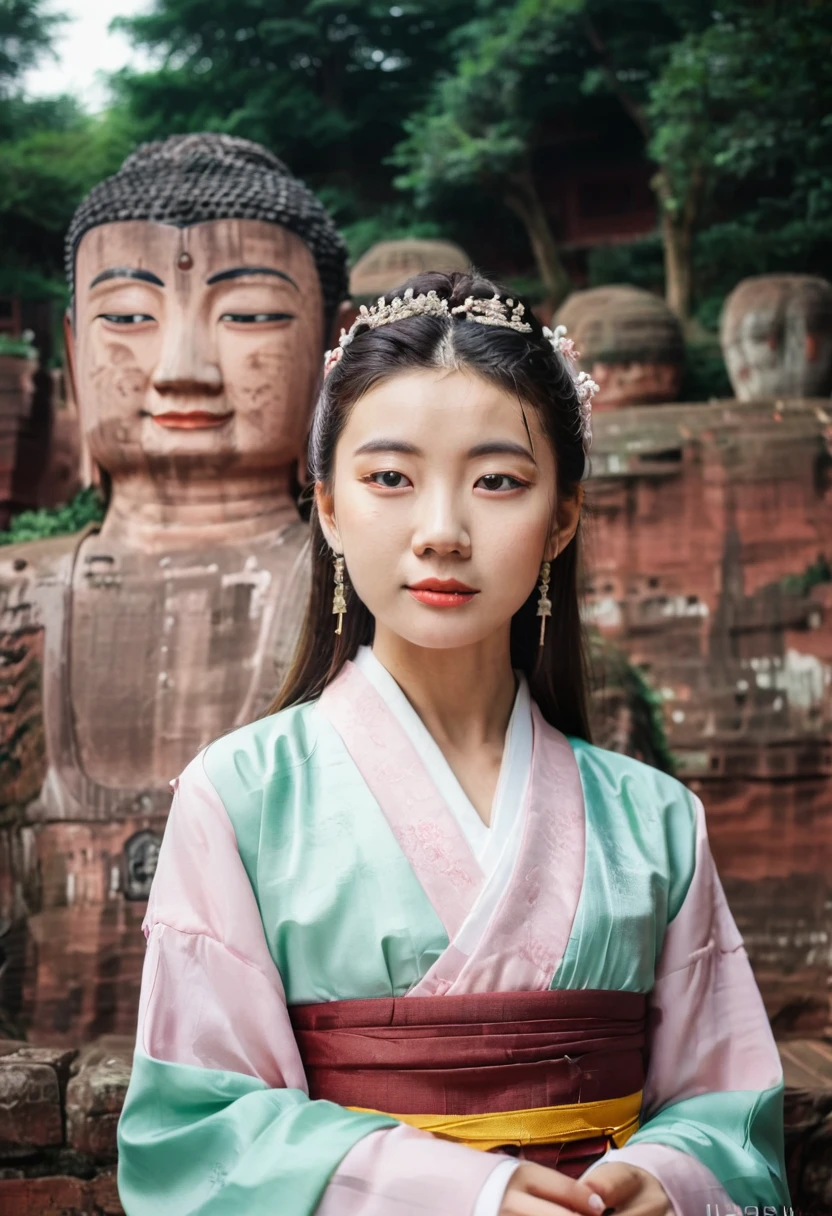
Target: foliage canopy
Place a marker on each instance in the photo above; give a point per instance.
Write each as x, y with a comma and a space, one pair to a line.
408, 117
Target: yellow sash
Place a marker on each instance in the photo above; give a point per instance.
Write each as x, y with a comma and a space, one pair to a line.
613, 1117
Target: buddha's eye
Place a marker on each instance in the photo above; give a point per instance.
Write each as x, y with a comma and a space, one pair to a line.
126, 318
256, 318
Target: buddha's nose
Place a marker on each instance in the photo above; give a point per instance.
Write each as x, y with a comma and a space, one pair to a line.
187, 366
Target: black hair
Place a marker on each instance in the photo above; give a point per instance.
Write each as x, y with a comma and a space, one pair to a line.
522, 363
191, 179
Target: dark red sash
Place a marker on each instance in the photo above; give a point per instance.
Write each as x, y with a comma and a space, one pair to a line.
476, 1054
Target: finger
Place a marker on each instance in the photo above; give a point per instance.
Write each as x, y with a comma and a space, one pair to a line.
520, 1204
615, 1183
646, 1207
556, 1187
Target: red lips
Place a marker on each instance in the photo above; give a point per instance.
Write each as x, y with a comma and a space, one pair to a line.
190, 420
442, 584
442, 592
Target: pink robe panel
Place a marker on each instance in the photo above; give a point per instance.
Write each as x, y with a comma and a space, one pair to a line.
212, 997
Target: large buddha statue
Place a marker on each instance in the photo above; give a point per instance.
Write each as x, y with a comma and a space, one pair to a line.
205, 282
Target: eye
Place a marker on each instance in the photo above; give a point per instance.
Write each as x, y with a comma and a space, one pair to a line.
500, 481
256, 318
390, 479
126, 318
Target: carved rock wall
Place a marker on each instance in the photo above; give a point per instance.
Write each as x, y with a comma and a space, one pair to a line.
709, 565
39, 439
17, 386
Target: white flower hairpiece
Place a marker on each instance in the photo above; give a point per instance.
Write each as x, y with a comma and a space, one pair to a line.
585, 386
504, 313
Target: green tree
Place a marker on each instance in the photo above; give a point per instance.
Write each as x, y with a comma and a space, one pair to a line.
326, 84
26, 33
524, 73
741, 127
731, 104
628, 67
484, 123
57, 153
87, 507
49, 154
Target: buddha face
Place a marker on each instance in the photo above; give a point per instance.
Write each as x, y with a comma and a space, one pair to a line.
195, 349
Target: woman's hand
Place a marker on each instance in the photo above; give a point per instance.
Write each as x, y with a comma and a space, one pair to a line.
630, 1191
535, 1190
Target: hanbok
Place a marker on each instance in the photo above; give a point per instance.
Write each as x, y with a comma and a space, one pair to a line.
360, 1000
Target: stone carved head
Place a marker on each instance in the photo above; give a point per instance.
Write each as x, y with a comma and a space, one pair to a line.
776, 334
205, 282
630, 343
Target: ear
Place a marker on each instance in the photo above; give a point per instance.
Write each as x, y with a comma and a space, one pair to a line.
90, 472
69, 347
325, 505
345, 314
567, 518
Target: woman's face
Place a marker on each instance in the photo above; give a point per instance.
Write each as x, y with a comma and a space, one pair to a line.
443, 507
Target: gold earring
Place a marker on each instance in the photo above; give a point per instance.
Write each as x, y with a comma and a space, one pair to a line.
544, 604
339, 603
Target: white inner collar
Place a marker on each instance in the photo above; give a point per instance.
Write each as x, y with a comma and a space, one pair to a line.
487, 843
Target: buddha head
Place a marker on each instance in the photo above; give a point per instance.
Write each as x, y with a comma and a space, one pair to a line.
776, 334
205, 282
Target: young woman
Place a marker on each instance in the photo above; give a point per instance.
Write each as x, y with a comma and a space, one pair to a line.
414, 914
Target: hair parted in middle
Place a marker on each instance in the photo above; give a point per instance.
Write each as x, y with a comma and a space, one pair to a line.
523, 364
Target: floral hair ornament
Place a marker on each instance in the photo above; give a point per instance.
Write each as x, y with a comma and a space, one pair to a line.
484, 311
585, 386
331, 358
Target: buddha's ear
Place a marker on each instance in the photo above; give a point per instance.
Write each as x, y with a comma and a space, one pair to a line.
91, 473
69, 349
345, 314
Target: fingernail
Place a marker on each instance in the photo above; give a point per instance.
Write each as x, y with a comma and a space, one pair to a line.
596, 1202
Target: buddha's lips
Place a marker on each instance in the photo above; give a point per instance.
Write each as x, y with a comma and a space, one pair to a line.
191, 420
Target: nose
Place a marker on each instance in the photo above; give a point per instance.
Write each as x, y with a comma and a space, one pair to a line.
441, 529
188, 365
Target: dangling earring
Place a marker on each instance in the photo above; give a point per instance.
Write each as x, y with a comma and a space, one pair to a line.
339, 603
544, 604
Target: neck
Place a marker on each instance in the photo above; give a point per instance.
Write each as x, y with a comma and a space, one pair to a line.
154, 517
463, 696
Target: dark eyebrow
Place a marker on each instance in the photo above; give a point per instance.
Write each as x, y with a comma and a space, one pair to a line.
500, 447
126, 272
239, 272
388, 445
495, 448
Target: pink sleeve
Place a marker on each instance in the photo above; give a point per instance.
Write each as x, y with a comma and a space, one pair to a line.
709, 1032
210, 990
